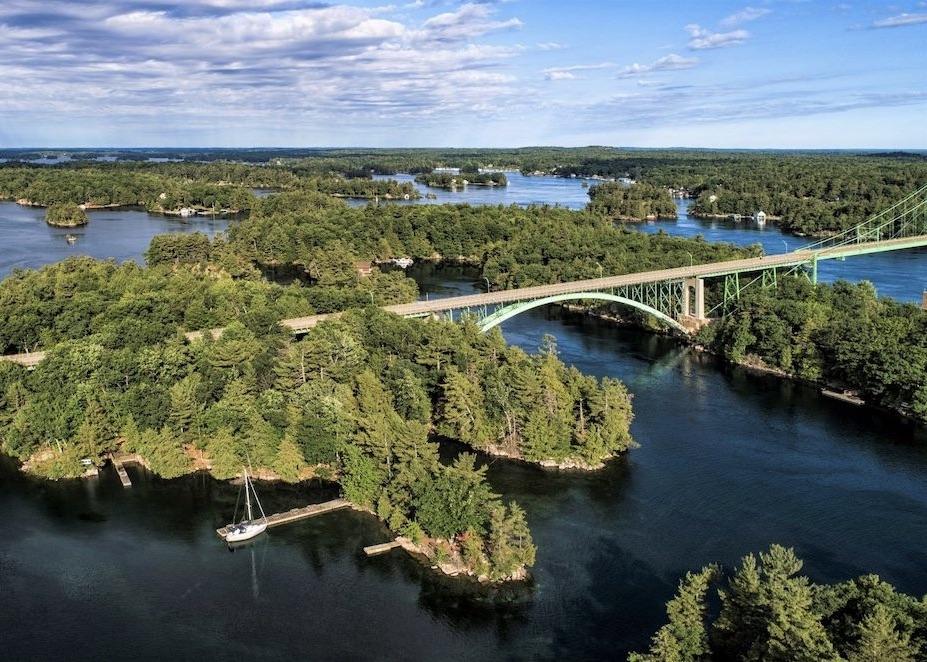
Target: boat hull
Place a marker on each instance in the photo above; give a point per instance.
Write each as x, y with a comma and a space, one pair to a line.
245, 532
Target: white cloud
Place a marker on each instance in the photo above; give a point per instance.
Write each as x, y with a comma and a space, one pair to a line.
702, 38
671, 62
468, 21
745, 15
550, 46
275, 59
900, 20
569, 73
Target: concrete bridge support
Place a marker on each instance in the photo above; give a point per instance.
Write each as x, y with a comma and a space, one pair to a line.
696, 286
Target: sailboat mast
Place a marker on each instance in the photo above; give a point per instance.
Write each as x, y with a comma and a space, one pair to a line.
248, 496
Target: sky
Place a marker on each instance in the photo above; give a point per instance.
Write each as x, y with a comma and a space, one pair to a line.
444, 73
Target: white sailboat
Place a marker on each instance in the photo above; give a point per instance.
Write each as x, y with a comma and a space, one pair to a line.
249, 526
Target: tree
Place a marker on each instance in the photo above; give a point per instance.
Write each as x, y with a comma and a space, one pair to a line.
225, 458
685, 637
767, 613
510, 546
186, 407
880, 641
289, 462
363, 479
461, 411
456, 499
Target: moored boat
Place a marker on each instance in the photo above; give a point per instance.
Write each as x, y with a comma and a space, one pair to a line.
249, 526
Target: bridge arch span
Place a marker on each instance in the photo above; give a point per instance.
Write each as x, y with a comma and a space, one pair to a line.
511, 310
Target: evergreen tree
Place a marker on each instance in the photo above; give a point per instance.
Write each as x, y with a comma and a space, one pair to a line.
225, 458
461, 410
289, 462
684, 638
185, 404
362, 478
768, 615
166, 455
510, 544
880, 641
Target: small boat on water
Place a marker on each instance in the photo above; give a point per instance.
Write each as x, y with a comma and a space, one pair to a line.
71, 238
249, 526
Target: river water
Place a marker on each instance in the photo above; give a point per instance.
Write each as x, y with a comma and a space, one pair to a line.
729, 462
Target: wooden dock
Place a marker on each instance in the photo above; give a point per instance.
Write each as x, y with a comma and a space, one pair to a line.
382, 548
123, 476
852, 397
296, 514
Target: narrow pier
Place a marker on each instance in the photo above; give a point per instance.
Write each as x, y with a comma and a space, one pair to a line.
121, 470
845, 396
382, 548
296, 514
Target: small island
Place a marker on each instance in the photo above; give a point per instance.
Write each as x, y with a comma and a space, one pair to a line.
65, 215
450, 180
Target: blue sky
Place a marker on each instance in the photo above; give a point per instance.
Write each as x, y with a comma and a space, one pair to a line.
766, 73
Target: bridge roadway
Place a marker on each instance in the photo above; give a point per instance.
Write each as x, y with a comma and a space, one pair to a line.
485, 300
709, 270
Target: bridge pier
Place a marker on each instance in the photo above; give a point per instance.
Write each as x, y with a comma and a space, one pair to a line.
696, 285
693, 304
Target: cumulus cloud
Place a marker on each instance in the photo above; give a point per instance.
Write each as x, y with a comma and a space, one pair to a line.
217, 60
900, 20
745, 15
703, 38
671, 62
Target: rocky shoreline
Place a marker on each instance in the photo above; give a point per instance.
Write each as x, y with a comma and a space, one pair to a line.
753, 363
442, 556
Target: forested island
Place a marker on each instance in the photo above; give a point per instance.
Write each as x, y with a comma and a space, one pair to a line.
168, 188
840, 335
65, 215
768, 611
634, 202
450, 180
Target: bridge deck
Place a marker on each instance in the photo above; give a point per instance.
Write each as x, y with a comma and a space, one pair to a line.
712, 269
598, 284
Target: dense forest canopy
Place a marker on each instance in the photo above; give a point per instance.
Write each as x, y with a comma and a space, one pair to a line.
841, 334
635, 202
463, 178
65, 215
168, 187
515, 246
354, 400
768, 611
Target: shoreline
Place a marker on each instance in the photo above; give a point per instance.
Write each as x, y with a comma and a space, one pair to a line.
428, 551
755, 363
